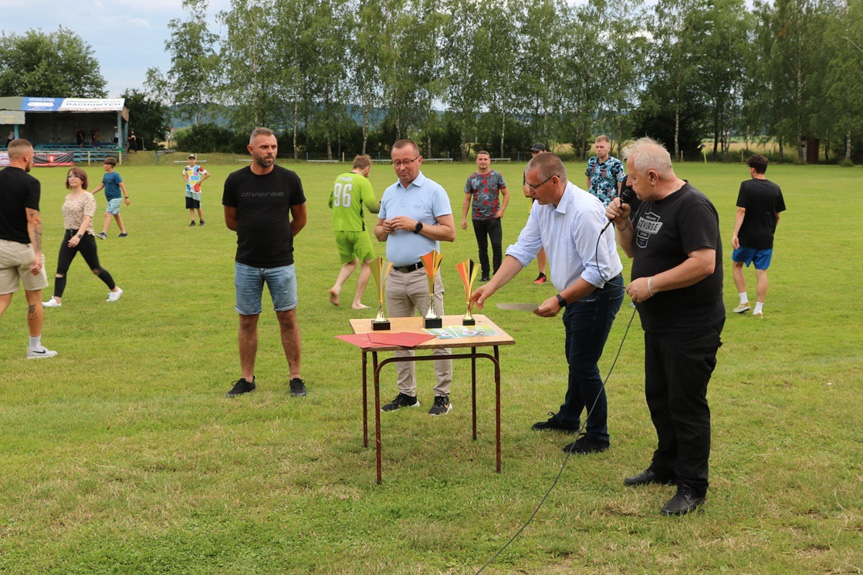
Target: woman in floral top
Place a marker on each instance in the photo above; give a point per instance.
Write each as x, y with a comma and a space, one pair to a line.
78, 211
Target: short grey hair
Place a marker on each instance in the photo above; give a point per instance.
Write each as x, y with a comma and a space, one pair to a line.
648, 154
260, 132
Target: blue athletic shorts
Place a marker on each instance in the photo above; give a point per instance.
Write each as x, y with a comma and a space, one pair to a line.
249, 283
761, 258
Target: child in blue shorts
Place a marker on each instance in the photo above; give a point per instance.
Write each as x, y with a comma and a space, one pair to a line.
113, 185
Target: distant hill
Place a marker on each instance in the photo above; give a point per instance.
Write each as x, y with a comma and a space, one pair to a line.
220, 115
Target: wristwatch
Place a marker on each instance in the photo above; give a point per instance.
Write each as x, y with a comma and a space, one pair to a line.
560, 300
80, 236
419, 228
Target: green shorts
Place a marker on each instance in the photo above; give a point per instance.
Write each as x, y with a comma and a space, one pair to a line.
354, 245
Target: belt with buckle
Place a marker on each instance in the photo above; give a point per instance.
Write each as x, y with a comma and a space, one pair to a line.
410, 268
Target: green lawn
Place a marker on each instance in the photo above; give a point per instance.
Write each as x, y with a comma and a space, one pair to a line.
122, 454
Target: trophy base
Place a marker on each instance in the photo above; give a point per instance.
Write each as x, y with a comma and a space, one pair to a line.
433, 323
467, 321
380, 325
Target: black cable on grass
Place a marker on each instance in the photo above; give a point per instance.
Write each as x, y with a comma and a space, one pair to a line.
568, 454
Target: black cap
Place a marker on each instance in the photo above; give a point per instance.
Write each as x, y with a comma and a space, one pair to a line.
537, 147
193, 157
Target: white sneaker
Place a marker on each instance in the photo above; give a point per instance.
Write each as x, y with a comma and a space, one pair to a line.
51, 303
40, 354
114, 295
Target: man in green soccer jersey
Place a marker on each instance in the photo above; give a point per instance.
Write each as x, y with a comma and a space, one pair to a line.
351, 191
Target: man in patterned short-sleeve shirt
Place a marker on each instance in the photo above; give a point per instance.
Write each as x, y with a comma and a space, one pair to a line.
484, 188
604, 173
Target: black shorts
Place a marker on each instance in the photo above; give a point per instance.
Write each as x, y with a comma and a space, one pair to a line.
192, 203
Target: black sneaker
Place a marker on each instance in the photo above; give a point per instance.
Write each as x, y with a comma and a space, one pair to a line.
484, 278
202, 222
540, 279
298, 387
586, 444
401, 400
441, 406
242, 386
192, 224
554, 424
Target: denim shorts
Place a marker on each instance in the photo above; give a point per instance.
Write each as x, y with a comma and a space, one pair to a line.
249, 283
114, 206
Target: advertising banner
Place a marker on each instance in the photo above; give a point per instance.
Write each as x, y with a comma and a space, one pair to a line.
50, 159
30, 104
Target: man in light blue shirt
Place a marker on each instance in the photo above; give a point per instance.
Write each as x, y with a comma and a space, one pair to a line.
415, 217
585, 269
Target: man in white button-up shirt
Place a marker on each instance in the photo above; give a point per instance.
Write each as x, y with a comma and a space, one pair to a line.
585, 269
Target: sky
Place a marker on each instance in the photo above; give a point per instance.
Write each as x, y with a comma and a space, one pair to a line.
127, 36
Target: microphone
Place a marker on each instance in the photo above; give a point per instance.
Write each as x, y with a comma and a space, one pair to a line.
627, 194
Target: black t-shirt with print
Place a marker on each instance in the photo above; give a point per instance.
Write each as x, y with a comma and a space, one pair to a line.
665, 232
263, 205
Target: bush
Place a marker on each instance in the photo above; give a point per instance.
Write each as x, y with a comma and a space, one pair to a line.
207, 138
846, 163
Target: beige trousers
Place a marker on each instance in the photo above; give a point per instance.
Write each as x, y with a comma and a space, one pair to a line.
407, 295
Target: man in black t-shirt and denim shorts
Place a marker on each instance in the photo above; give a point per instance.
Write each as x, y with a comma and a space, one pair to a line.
674, 241
264, 203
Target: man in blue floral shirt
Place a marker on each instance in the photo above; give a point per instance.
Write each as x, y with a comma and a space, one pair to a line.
484, 187
604, 173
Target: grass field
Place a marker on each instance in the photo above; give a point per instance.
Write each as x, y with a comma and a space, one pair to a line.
122, 455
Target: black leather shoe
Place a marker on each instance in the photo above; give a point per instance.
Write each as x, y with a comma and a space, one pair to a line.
554, 424
685, 501
648, 476
585, 445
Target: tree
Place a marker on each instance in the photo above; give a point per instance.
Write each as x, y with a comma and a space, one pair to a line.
148, 117
194, 62
59, 64
249, 81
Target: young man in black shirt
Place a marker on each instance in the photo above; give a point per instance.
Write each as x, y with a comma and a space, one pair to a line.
758, 205
265, 205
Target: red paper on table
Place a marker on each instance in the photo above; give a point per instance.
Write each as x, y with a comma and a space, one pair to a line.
403, 339
360, 340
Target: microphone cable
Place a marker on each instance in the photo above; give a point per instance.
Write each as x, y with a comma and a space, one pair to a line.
580, 433
583, 426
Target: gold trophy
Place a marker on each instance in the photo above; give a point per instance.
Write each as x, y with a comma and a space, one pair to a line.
468, 272
381, 270
431, 263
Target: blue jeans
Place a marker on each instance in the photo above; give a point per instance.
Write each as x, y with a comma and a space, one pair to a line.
249, 282
587, 323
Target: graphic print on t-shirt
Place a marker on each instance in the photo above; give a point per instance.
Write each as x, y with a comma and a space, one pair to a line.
648, 225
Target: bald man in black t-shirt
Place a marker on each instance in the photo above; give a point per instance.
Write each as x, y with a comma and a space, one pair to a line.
21, 258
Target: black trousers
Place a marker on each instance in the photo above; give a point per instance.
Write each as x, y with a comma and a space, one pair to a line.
677, 369
87, 247
485, 230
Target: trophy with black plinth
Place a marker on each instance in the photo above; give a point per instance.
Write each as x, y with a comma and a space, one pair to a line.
381, 269
431, 263
467, 270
